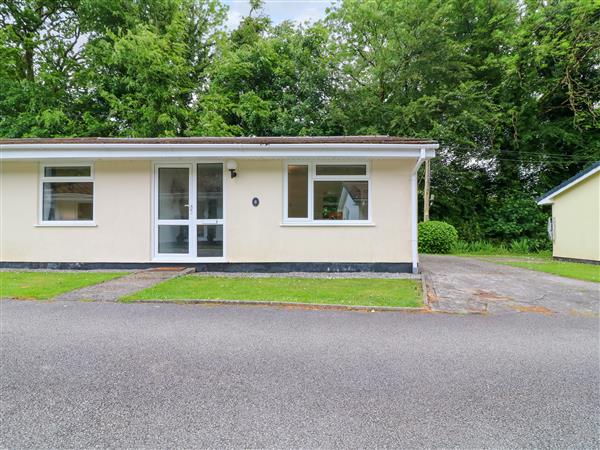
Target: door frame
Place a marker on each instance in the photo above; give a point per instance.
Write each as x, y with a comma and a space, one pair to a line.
193, 221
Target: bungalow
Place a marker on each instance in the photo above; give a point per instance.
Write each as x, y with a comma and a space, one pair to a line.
575, 223
241, 203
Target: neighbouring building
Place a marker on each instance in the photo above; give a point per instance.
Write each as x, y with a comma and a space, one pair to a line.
575, 223
256, 203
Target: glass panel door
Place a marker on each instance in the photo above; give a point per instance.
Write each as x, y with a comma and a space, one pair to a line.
189, 213
209, 210
173, 210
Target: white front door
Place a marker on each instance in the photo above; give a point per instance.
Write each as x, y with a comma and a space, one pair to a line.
188, 212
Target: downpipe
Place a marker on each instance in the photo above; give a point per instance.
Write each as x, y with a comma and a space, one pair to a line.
414, 213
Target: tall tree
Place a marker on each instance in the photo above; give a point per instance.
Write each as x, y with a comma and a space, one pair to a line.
38, 57
143, 79
510, 88
268, 80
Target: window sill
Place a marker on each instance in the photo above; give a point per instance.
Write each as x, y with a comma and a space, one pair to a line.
332, 223
69, 224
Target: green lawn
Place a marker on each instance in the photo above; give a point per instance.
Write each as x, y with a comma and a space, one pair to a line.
45, 285
348, 291
580, 271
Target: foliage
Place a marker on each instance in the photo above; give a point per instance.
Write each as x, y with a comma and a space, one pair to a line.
522, 246
437, 237
267, 81
511, 89
363, 292
513, 215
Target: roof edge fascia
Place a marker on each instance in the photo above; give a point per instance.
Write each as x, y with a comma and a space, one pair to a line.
548, 199
162, 151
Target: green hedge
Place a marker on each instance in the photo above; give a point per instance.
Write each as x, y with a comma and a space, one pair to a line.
437, 237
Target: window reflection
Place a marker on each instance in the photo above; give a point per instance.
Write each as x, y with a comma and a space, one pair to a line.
341, 200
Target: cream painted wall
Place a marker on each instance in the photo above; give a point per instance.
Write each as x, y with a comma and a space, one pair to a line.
122, 198
577, 215
256, 234
123, 218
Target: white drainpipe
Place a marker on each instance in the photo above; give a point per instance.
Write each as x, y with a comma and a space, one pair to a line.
414, 210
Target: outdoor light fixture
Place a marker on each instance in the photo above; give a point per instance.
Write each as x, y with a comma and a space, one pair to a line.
232, 166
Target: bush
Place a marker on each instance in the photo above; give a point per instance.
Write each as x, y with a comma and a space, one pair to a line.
461, 247
437, 237
525, 245
478, 247
512, 216
521, 246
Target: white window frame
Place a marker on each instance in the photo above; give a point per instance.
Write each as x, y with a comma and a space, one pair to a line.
177, 257
44, 179
312, 177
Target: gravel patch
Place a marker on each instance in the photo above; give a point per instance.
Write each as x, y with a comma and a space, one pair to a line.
331, 275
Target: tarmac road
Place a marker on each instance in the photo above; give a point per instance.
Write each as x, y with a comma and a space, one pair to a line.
77, 374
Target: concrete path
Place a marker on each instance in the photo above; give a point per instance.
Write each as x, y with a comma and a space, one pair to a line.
471, 284
114, 375
112, 290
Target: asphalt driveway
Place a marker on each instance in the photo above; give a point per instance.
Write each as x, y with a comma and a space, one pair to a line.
472, 284
78, 374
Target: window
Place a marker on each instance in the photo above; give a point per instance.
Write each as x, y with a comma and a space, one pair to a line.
67, 192
297, 191
324, 193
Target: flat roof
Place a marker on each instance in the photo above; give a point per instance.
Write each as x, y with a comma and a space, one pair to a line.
256, 140
287, 147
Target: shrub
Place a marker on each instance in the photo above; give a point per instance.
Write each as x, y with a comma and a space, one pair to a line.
512, 216
478, 247
540, 245
522, 245
525, 245
437, 237
461, 247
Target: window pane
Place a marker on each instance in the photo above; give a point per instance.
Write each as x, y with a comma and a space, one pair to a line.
210, 191
298, 192
173, 239
341, 200
356, 169
68, 201
210, 240
173, 193
68, 171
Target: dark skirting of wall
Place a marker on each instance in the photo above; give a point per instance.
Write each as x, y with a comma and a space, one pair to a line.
586, 261
268, 267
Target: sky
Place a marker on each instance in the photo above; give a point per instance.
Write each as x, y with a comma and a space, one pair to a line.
279, 10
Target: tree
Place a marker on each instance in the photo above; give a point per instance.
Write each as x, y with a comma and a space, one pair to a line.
143, 79
268, 80
38, 57
510, 88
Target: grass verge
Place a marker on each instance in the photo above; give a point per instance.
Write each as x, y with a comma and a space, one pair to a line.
46, 285
348, 291
579, 271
